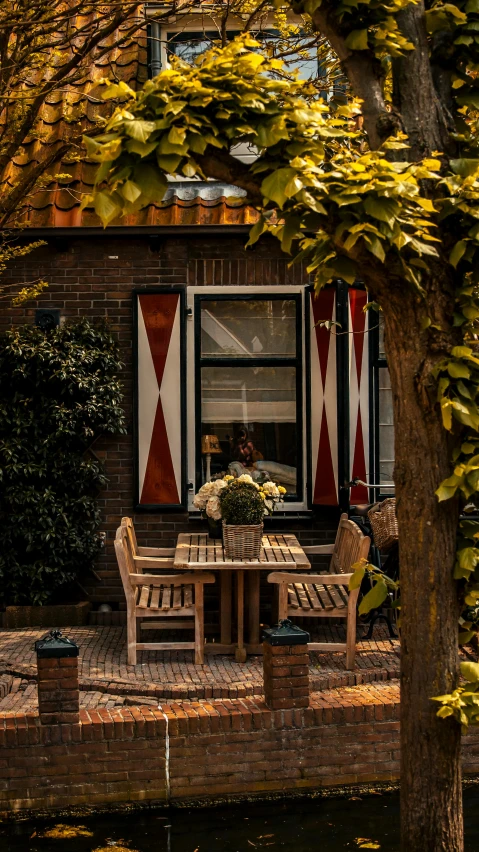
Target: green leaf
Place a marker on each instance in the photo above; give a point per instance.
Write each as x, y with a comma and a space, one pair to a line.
130, 191
357, 40
458, 371
374, 598
470, 671
457, 252
151, 182
106, 208
277, 186
384, 209
357, 578
138, 129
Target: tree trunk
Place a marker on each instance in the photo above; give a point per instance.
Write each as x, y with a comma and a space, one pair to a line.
431, 795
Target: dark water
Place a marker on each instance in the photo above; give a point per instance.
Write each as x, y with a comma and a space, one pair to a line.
295, 825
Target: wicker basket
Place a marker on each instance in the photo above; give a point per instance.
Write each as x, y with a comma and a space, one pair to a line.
384, 523
242, 541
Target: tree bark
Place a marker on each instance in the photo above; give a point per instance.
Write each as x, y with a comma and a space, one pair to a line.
431, 794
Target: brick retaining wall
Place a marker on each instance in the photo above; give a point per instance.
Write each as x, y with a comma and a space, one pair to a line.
224, 748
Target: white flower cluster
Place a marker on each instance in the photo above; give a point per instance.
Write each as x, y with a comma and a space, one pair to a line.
245, 477
207, 498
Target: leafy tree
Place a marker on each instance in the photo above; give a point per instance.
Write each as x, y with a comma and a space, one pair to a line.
59, 392
394, 204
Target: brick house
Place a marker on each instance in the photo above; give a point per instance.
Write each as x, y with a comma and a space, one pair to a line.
217, 340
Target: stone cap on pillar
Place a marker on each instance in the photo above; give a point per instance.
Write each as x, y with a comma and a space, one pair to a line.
285, 633
55, 645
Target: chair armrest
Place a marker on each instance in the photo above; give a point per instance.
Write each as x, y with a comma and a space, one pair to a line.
323, 579
319, 548
153, 562
171, 579
156, 551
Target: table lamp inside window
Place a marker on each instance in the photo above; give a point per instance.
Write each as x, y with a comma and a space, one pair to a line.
209, 444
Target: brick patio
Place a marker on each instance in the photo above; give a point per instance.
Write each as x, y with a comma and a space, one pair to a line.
107, 681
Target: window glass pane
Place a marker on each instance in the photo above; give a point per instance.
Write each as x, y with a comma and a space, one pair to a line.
189, 46
252, 412
386, 428
248, 328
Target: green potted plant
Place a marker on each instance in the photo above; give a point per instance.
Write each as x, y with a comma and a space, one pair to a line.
243, 505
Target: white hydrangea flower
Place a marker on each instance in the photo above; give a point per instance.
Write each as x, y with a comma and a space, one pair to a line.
245, 477
213, 508
271, 489
209, 489
269, 505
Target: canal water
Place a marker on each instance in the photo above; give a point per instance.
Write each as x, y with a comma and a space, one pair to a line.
363, 821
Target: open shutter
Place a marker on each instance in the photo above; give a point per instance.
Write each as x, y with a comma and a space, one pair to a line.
160, 399
358, 393
324, 411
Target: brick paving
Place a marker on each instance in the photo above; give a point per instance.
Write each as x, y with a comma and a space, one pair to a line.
107, 681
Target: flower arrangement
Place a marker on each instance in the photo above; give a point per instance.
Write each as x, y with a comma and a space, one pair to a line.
238, 500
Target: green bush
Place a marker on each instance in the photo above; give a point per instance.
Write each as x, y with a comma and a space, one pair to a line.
59, 392
241, 503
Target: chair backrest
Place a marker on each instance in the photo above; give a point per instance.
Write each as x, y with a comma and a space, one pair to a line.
351, 545
124, 559
130, 529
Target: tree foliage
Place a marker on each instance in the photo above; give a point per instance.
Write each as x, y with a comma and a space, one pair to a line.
59, 392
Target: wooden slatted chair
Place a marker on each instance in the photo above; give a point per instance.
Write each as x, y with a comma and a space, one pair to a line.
327, 595
172, 598
146, 557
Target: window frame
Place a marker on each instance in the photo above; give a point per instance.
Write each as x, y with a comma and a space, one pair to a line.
195, 296
376, 363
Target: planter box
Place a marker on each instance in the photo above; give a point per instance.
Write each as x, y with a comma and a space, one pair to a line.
57, 615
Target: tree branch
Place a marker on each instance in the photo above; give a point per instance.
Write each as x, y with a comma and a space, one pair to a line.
363, 72
222, 166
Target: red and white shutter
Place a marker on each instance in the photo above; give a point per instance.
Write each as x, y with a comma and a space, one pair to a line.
324, 407
160, 400
358, 393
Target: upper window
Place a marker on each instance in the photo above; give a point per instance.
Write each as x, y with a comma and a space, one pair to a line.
189, 45
249, 389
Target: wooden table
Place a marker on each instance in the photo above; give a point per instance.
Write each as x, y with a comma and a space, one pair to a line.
201, 553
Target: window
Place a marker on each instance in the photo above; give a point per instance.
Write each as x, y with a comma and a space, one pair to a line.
248, 388
382, 415
189, 45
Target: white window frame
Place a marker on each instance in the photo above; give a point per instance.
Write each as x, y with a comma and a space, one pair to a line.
260, 292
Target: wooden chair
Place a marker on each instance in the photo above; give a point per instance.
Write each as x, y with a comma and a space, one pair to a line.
169, 597
327, 595
147, 557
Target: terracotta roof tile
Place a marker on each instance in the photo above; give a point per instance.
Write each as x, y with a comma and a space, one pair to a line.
66, 115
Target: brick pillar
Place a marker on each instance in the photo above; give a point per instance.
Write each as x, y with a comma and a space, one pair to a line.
286, 676
58, 692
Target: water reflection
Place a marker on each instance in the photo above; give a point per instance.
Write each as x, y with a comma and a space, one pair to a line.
295, 825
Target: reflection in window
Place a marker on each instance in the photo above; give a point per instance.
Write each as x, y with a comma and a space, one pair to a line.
251, 410
248, 328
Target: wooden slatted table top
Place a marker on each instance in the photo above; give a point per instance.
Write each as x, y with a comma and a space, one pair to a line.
277, 551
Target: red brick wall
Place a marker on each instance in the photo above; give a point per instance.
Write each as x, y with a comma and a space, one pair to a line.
218, 749
85, 282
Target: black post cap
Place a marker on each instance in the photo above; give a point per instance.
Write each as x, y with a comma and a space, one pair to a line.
285, 633
55, 645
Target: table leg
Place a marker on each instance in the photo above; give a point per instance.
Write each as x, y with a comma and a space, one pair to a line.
253, 606
225, 607
240, 653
